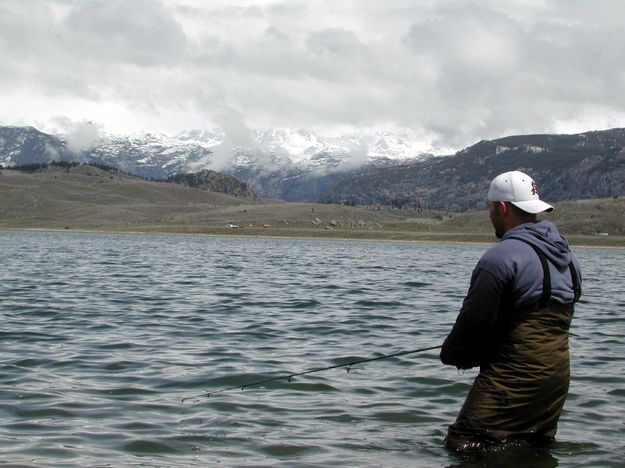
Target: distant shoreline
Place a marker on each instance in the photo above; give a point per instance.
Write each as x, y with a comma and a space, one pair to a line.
391, 236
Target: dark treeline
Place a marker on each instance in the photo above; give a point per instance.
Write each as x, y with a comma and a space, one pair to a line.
35, 167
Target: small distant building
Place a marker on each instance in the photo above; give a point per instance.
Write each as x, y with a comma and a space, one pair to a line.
601, 233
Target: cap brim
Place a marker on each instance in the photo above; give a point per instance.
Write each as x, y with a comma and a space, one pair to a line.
533, 206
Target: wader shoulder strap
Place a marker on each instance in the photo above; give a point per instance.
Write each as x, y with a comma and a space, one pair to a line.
577, 288
546, 295
544, 299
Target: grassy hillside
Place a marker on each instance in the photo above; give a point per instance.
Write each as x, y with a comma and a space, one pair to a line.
90, 198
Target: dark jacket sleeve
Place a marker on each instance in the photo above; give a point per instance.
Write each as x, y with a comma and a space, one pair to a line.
472, 339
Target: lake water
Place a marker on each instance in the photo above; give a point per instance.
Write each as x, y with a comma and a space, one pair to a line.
104, 335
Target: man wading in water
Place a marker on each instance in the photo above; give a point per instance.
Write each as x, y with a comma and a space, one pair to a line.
514, 324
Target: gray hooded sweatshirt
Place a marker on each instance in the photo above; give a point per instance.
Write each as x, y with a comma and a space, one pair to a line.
508, 277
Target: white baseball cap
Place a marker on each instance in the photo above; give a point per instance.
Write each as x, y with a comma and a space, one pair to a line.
520, 190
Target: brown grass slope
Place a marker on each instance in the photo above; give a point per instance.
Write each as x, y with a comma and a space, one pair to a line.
90, 198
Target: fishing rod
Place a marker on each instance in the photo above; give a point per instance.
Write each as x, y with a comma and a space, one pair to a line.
289, 377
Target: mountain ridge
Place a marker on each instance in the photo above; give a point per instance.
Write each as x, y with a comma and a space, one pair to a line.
566, 166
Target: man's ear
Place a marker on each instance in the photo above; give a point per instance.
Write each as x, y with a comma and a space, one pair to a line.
504, 209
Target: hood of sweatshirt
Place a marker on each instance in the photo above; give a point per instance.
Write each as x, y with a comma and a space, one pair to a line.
544, 235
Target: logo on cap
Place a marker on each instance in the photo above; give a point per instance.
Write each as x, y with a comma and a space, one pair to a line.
534, 188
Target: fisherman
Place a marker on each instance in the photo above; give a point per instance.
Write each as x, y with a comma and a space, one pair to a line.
514, 324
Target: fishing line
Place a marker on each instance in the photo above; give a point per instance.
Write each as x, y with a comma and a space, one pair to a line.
289, 377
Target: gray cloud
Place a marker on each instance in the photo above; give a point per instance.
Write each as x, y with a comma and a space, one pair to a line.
456, 71
135, 32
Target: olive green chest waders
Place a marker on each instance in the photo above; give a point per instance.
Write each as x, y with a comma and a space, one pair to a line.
520, 392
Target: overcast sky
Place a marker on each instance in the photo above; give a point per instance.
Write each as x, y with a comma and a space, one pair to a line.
453, 72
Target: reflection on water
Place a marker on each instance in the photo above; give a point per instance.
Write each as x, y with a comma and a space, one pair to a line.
103, 336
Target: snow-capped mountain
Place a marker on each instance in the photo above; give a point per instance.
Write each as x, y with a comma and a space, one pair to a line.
265, 150
263, 157
27, 145
153, 155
